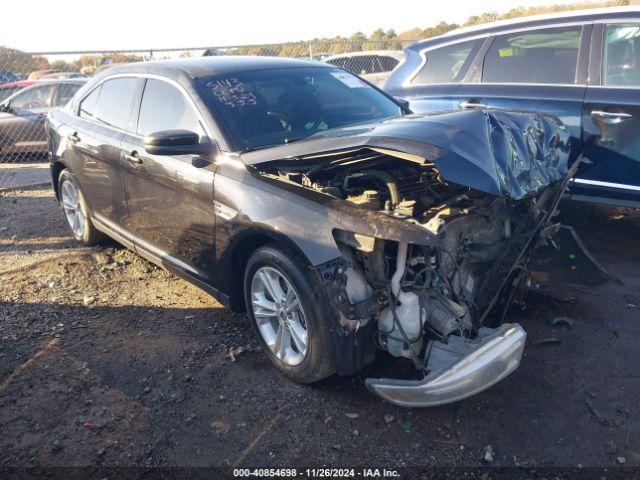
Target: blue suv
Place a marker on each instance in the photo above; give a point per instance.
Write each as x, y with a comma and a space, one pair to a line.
583, 67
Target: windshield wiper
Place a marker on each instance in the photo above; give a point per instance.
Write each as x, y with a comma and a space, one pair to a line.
286, 141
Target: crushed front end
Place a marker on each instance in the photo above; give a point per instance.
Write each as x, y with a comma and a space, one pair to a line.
437, 294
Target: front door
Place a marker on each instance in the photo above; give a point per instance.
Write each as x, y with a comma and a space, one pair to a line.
170, 198
611, 116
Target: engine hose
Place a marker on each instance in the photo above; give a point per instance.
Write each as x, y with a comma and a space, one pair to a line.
389, 182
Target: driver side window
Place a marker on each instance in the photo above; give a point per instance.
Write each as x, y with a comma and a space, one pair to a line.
39, 97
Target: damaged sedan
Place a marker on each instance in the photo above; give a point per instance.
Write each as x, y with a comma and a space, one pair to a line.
342, 223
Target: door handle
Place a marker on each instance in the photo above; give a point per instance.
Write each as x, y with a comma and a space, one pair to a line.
74, 138
611, 118
133, 158
471, 104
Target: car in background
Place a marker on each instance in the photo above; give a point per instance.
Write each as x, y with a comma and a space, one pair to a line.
106, 66
61, 75
22, 115
583, 67
38, 74
7, 76
8, 89
374, 66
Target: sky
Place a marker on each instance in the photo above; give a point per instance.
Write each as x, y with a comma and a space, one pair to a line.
65, 25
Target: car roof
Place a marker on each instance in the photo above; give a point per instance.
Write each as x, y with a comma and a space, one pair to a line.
551, 19
38, 83
19, 83
50, 81
206, 66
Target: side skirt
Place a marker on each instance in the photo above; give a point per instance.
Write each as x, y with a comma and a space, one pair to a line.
166, 261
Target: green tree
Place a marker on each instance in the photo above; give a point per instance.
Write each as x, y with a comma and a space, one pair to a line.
21, 62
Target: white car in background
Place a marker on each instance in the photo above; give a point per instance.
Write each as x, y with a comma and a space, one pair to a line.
374, 66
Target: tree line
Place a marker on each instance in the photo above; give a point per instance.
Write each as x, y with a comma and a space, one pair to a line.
24, 63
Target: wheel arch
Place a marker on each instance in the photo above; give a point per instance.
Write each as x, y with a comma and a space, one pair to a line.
240, 251
56, 168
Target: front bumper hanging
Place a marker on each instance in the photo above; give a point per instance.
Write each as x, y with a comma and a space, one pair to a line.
458, 369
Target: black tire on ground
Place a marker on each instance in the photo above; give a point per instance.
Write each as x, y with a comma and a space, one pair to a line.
90, 235
319, 361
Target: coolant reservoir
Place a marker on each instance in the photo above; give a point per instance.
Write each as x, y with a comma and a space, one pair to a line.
408, 312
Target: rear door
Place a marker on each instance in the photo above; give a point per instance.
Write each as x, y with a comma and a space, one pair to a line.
541, 69
611, 117
432, 87
104, 115
170, 198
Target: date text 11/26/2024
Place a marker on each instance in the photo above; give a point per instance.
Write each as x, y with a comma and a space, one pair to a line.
316, 473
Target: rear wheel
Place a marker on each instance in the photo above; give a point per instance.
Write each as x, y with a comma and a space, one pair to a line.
287, 308
75, 209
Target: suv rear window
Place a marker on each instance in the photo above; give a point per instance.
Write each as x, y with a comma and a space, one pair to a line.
548, 56
621, 62
448, 64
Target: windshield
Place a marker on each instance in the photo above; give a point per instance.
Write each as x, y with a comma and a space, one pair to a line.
271, 107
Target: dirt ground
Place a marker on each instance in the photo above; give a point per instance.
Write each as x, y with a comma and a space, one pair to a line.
107, 360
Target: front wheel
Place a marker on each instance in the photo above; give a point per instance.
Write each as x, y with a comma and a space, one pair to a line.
75, 209
286, 307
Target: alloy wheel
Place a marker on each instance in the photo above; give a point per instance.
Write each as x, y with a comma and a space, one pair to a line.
279, 315
70, 199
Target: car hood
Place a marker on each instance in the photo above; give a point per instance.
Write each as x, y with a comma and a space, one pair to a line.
504, 153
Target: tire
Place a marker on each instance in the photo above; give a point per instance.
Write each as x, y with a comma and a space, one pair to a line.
87, 234
318, 361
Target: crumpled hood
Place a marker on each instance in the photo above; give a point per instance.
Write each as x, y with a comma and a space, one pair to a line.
499, 152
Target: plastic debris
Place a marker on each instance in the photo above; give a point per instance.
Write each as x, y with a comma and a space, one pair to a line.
594, 411
234, 352
488, 454
220, 427
546, 341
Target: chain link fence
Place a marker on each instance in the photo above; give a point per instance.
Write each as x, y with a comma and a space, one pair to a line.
31, 84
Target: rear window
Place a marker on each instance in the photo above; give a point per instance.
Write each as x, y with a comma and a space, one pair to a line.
448, 64
621, 62
116, 102
547, 56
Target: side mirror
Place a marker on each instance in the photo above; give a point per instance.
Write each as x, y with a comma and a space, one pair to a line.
5, 108
176, 142
404, 104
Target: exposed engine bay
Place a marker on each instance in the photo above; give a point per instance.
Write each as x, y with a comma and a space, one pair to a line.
439, 302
